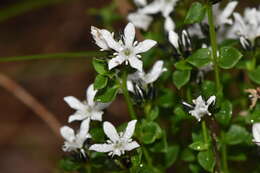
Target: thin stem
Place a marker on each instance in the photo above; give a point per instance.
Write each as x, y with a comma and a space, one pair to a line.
213, 40
53, 56
127, 97
224, 155
118, 162
147, 157
204, 131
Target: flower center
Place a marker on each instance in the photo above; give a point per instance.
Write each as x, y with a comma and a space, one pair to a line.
119, 145
127, 52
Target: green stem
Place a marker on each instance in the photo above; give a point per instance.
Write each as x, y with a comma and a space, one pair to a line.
127, 97
224, 155
204, 131
119, 164
147, 157
89, 168
213, 40
53, 56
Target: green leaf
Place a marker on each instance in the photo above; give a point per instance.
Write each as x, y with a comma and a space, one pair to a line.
100, 82
225, 114
195, 14
199, 146
236, 135
229, 57
180, 78
182, 65
100, 66
238, 157
107, 94
207, 160
200, 58
153, 114
187, 155
208, 88
97, 134
150, 131
68, 164
255, 75
194, 168
166, 98
171, 155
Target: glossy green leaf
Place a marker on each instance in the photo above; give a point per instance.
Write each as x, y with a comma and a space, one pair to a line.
255, 75
180, 78
100, 66
229, 57
107, 94
207, 160
200, 58
171, 155
236, 135
150, 131
182, 65
187, 155
195, 14
199, 146
225, 114
100, 82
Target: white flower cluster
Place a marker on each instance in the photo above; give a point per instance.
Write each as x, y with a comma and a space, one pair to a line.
126, 50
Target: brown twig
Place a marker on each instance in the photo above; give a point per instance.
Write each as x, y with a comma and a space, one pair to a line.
20, 93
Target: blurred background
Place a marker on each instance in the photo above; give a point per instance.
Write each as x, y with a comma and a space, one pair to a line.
28, 27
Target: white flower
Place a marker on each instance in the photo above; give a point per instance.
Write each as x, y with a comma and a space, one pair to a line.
145, 78
160, 6
247, 26
117, 143
182, 43
140, 20
86, 109
165, 7
99, 39
140, 2
127, 50
256, 133
74, 142
223, 16
200, 107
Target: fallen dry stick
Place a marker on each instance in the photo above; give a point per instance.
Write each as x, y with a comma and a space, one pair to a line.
31, 102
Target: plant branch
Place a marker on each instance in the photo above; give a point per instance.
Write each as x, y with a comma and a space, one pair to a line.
127, 97
21, 94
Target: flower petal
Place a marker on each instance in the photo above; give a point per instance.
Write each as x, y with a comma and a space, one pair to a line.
136, 63
140, 2
67, 133
74, 103
110, 131
91, 95
169, 25
155, 72
132, 145
129, 34
212, 99
256, 132
108, 36
76, 117
97, 115
226, 13
140, 20
152, 8
84, 128
144, 46
118, 60
99, 39
174, 39
104, 148
129, 131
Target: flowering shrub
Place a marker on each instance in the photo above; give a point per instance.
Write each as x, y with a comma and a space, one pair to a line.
190, 112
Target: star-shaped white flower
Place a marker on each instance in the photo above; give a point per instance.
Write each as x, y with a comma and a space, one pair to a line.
256, 133
86, 109
127, 50
99, 39
117, 143
146, 78
200, 107
247, 26
74, 142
